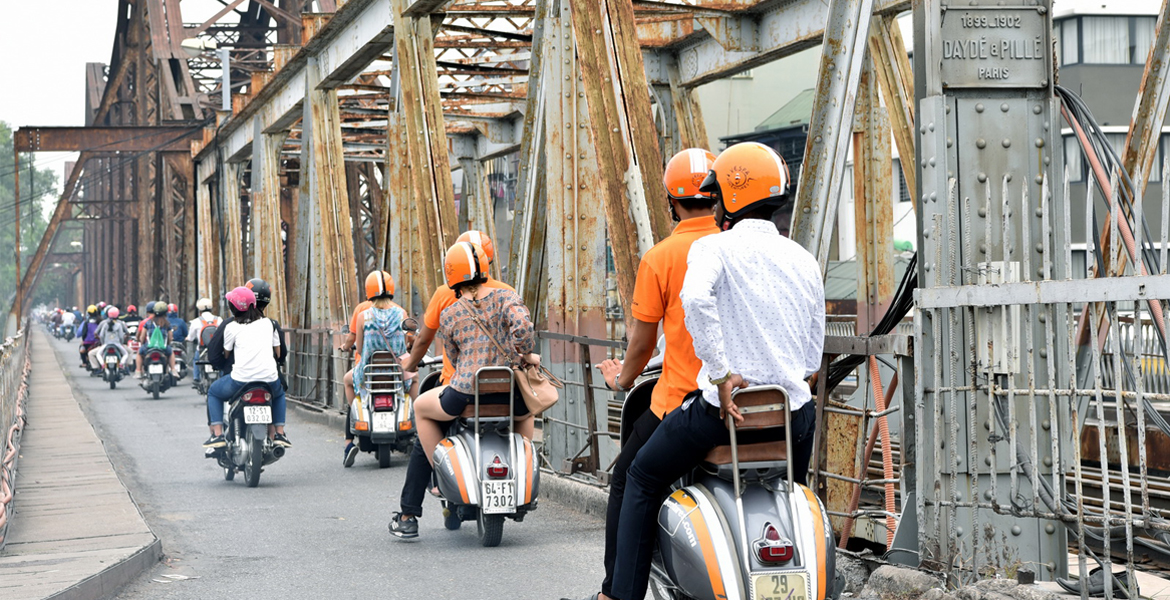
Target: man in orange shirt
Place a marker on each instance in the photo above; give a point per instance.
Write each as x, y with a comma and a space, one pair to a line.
660, 277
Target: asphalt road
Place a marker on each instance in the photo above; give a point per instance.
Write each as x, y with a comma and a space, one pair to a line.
312, 529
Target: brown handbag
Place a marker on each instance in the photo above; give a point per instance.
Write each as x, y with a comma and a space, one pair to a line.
537, 384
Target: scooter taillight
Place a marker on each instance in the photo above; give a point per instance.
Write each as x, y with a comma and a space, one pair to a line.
383, 403
772, 548
256, 397
497, 470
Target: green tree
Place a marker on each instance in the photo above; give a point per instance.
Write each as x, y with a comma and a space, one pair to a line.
38, 189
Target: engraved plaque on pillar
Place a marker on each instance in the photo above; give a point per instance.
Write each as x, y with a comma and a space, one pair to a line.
994, 46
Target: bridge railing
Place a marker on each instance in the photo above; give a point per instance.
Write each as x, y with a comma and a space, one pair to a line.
14, 368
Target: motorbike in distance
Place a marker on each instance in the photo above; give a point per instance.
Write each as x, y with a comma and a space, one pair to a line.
112, 365
485, 471
180, 352
158, 377
208, 374
248, 416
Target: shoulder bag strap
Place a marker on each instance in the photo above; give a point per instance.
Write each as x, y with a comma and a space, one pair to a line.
475, 317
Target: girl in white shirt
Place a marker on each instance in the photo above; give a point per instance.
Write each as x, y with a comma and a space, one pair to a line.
252, 339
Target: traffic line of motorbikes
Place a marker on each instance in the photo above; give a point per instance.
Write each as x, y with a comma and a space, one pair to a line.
734, 528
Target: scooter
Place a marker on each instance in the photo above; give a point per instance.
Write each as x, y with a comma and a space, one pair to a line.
381, 419
180, 352
485, 472
735, 528
208, 374
249, 447
68, 333
158, 377
112, 359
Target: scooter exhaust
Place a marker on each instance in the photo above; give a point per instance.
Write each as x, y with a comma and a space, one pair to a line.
277, 451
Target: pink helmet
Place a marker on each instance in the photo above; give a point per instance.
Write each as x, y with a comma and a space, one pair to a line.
113, 312
241, 298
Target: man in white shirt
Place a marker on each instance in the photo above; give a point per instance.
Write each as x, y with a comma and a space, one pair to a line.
195, 334
746, 284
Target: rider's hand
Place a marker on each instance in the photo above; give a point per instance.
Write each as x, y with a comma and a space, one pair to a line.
726, 406
530, 359
610, 369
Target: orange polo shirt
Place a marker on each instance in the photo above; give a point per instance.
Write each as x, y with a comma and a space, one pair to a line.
443, 298
660, 279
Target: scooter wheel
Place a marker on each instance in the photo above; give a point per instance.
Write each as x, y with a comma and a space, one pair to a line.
113, 384
491, 529
229, 474
451, 520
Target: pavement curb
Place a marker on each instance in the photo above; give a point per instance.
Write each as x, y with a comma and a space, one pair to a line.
328, 416
104, 583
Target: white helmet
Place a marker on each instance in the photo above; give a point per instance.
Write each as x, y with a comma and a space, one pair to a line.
203, 304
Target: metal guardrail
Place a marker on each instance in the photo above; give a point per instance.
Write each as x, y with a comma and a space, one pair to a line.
14, 369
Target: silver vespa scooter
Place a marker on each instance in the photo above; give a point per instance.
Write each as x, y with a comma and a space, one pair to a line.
485, 471
738, 528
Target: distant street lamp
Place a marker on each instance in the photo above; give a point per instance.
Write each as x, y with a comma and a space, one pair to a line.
196, 46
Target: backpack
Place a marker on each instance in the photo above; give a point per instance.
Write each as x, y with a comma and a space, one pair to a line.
157, 338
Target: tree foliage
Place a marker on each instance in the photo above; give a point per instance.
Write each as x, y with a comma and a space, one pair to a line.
38, 190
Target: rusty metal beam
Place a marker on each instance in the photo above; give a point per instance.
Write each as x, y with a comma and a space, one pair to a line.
872, 203
622, 128
104, 139
818, 195
896, 80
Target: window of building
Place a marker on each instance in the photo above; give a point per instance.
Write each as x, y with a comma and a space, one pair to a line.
1105, 40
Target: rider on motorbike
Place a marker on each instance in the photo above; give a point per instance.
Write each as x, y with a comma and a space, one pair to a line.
110, 332
444, 297
178, 325
468, 347
660, 278
253, 341
751, 286
195, 330
379, 284
87, 331
131, 315
147, 340
216, 354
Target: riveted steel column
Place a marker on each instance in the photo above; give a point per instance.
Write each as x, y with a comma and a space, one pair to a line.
426, 144
844, 47
872, 203
613, 80
990, 421
231, 229
208, 284
324, 165
267, 246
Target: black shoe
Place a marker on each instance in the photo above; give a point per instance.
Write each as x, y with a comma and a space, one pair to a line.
280, 440
407, 529
1095, 586
351, 452
215, 441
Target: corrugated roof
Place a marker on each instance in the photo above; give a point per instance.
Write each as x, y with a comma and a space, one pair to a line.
798, 111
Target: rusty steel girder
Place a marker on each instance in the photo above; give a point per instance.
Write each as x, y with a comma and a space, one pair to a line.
104, 139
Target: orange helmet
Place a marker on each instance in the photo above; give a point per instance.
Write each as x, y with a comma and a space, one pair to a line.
685, 173
747, 176
379, 283
465, 262
480, 239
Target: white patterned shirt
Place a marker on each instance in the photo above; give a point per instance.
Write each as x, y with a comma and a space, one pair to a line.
755, 305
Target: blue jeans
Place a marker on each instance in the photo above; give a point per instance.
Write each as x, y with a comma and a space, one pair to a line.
225, 387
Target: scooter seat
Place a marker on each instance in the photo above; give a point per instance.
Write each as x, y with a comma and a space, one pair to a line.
759, 452
485, 410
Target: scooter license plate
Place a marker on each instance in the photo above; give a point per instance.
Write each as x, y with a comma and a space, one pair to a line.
111, 360
257, 415
499, 497
780, 585
155, 369
384, 422
209, 368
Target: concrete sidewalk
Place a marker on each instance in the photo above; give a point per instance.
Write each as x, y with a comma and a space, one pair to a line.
76, 533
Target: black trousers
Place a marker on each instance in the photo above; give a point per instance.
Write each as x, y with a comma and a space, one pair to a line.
643, 428
677, 446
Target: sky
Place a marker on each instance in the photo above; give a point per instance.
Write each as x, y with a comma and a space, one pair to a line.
45, 46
